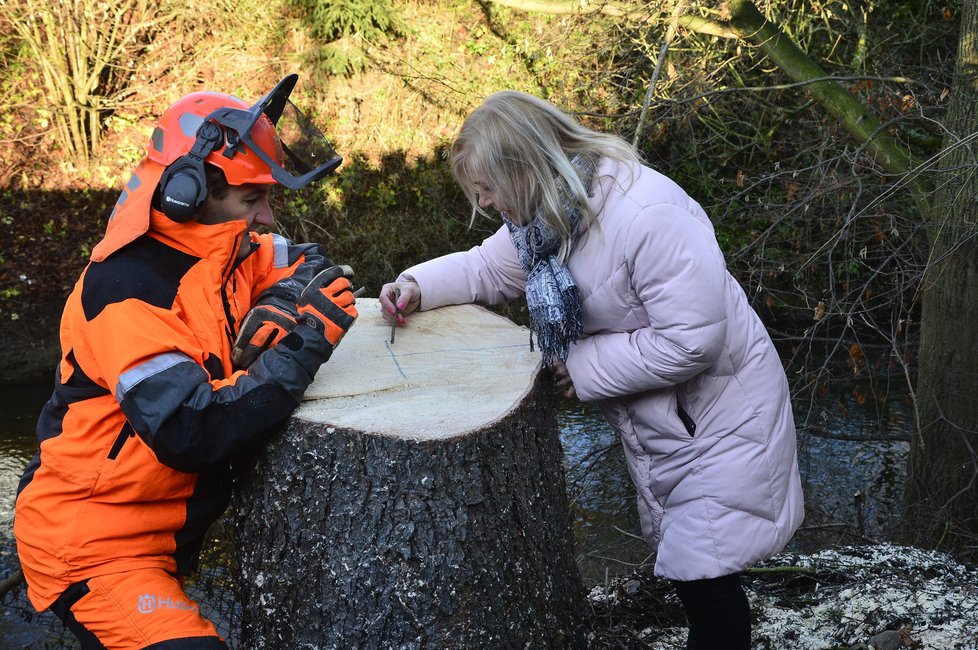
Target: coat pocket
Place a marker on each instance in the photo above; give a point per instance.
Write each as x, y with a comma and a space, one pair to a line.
686, 420
126, 433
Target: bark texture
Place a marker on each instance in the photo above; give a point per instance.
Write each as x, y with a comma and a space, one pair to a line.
355, 540
942, 487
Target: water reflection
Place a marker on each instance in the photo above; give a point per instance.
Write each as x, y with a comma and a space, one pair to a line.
602, 500
19, 407
853, 451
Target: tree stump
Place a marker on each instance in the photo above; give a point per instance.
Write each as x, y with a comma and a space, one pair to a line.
416, 498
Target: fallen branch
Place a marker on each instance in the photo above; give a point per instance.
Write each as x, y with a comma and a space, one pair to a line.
11, 582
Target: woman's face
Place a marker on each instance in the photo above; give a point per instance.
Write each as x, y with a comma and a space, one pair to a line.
248, 203
487, 197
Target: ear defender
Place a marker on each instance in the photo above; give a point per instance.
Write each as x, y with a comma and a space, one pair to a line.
183, 186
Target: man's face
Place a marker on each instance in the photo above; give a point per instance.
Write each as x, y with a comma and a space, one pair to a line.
248, 203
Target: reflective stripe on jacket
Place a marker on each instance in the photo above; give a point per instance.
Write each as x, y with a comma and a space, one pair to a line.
147, 410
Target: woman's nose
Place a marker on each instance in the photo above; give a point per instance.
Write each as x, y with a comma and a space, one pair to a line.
484, 201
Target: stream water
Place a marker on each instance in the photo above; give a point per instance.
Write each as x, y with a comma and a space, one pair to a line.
850, 443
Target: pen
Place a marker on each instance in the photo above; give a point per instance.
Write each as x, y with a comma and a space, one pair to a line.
397, 312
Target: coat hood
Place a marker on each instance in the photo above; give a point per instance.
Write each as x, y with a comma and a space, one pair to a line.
130, 218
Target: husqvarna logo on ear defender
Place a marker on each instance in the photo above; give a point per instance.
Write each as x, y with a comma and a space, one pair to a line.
170, 199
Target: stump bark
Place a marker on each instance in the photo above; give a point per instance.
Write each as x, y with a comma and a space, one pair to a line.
415, 500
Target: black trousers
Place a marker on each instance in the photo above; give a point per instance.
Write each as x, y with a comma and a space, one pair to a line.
718, 613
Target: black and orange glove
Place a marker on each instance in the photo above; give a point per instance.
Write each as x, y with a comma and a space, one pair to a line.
328, 305
263, 327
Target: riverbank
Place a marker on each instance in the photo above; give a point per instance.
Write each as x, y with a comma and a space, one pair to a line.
879, 597
29, 349
47, 236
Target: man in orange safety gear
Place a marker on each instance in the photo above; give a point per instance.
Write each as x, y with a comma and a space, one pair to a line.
159, 384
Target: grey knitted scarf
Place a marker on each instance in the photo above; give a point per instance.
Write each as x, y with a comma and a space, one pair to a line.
551, 293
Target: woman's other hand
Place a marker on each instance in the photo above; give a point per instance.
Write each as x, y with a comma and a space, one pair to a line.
563, 380
402, 297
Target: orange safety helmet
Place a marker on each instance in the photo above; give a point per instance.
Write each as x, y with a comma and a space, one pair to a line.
176, 134
274, 130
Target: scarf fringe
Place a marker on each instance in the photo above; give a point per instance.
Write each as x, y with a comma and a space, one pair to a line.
557, 325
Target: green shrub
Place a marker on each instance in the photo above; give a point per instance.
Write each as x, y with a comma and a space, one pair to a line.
343, 29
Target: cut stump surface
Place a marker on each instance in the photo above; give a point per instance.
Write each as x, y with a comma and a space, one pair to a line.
448, 372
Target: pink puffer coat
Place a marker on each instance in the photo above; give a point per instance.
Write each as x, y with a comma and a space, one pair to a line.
678, 363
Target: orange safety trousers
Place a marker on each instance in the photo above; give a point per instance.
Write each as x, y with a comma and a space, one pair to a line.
144, 608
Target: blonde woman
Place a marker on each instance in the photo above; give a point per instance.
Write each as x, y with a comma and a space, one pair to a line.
633, 309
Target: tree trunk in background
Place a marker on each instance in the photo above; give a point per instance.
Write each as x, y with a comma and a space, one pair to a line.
943, 478
389, 516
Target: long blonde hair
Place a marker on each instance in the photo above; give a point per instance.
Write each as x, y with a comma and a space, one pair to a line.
523, 146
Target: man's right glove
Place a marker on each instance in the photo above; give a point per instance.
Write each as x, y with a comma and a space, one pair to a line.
263, 327
328, 305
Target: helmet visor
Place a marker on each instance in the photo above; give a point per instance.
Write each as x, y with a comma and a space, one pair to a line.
307, 151
308, 155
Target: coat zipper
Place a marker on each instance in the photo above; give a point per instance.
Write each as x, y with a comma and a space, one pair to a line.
229, 329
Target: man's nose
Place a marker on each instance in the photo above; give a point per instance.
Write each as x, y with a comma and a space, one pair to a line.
265, 215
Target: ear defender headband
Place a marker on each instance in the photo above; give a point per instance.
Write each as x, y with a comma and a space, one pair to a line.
183, 186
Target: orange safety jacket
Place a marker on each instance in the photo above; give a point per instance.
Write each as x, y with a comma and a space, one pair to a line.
147, 410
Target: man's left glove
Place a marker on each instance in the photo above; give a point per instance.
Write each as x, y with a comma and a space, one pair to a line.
263, 327
328, 305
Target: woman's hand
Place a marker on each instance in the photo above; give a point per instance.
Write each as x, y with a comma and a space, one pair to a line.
563, 380
401, 297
